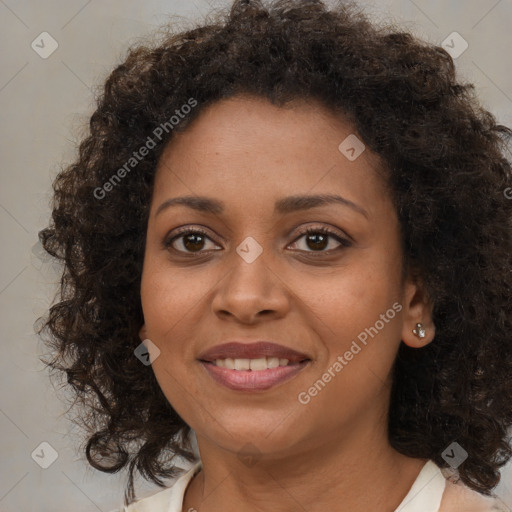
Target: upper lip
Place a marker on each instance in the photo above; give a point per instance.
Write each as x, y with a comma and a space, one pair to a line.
259, 349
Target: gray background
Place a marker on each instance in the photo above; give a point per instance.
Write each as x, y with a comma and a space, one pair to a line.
45, 106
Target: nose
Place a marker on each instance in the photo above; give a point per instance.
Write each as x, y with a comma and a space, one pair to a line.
251, 291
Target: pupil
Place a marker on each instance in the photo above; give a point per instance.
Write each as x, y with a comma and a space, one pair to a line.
322, 241
195, 241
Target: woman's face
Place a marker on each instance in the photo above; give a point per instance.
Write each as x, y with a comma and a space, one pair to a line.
251, 274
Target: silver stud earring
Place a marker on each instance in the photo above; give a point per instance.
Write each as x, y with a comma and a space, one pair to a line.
419, 330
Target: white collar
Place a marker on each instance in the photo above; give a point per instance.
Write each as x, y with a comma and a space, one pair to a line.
426, 493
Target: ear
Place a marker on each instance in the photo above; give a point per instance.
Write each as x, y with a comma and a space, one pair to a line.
417, 308
143, 333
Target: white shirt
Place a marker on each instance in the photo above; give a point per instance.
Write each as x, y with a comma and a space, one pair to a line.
425, 495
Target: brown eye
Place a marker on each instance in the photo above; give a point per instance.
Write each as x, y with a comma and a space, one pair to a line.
188, 241
317, 239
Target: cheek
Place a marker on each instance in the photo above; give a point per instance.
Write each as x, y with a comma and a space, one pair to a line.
353, 298
359, 323
168, 297
357, 315
169, 302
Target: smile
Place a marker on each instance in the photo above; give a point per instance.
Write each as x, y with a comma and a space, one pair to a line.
252, 380
262, 363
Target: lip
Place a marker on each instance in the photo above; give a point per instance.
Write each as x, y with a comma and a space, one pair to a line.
238, 350
248, 380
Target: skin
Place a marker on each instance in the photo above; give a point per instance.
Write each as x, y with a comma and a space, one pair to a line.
248, 153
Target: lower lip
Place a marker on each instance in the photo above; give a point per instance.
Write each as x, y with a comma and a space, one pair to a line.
248, 380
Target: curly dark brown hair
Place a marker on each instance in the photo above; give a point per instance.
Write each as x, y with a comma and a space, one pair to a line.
447, 175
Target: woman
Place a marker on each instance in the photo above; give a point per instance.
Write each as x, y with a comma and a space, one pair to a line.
289, 232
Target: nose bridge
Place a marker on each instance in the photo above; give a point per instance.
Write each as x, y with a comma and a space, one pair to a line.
251, 285
251, 272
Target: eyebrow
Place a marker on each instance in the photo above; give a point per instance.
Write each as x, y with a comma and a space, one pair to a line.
282, 206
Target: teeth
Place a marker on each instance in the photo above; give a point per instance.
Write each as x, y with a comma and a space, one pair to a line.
262, 363
258, 364
242, 364
273, 362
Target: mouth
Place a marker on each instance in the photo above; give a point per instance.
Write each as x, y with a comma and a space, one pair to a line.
255, 365
252, 367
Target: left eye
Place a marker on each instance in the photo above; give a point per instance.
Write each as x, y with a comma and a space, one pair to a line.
318, 239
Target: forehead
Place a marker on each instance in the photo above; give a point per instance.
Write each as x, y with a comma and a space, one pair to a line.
247, 149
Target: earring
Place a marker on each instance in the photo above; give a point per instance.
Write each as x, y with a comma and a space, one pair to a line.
419, 330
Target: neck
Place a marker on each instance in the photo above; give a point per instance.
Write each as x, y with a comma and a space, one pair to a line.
359, 473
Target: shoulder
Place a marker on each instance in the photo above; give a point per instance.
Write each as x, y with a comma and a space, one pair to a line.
459, 498
168, 500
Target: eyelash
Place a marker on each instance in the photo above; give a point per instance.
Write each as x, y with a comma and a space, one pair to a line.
322, 230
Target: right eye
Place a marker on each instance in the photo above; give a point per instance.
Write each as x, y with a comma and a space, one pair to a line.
191, 240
